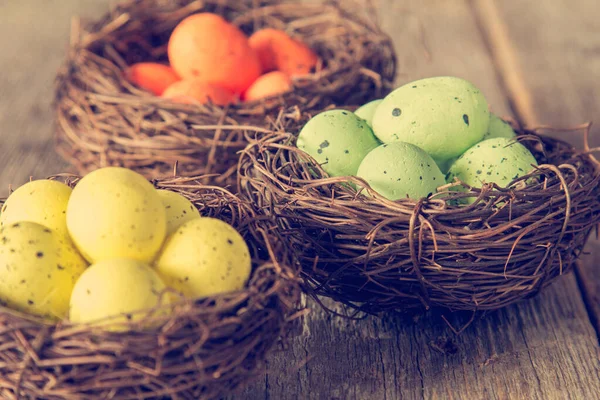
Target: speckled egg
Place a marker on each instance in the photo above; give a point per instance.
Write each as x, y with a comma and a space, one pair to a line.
119, 290
499, 129
498, 160
42, 201
39, 268
367, 111
204, 257
401, 170
116, 213
338, 140
179, 209
444, 116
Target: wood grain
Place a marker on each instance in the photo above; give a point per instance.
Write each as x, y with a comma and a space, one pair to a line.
540, 349
557, 67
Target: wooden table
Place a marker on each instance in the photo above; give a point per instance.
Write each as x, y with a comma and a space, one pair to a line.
536, 61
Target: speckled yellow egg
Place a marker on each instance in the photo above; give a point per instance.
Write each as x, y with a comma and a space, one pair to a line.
42, 201
38, 268
442, 115
119, 290
179, 210
204, 257
116, 213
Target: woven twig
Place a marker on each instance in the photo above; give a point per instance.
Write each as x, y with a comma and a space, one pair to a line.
202, 349
374, 254
103, 120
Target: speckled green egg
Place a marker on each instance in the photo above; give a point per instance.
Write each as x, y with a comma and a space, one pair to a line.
42, 201
499, 129
179, 209
443, 115
116, 213
498, 160
338, 140
401, 170
367, 111
39, 268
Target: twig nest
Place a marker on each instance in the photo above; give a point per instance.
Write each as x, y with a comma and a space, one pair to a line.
201, 349
105, 119
375, 253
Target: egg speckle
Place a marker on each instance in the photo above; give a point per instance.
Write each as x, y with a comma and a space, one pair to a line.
338, 140
443, 115
401, 170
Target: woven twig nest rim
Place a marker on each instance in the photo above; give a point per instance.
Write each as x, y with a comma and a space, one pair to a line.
373, 254
104, 120
202, 349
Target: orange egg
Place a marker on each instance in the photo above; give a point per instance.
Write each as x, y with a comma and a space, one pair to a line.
195, 91
270, 84
207, 47
278, 51
151, 76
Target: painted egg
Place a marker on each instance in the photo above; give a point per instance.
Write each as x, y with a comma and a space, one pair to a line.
401, 170
498, 160
179, 209
499, 129
338, 140
444, 116
116, 213
367, 111
43, 201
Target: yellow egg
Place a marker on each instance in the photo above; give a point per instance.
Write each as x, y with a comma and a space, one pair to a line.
204, 257
116, 213
179, 210
38, 269
43, 202
119, 288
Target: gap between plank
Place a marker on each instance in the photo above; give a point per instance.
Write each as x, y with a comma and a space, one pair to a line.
495, 34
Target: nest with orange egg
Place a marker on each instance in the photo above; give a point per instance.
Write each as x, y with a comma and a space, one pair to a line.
374, 254
155, 84
202, 348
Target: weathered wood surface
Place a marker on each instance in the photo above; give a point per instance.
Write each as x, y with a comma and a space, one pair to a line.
550, 57
541, 349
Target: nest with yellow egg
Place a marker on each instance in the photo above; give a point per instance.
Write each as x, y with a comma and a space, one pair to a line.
202, 348
374, 254
105, 120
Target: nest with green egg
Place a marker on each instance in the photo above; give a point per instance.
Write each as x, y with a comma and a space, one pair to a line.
113, 289
424, 199
103, 119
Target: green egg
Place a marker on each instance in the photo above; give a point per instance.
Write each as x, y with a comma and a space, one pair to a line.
498, 160
444, 116
499, 129
400, 170
338, 140
367, 111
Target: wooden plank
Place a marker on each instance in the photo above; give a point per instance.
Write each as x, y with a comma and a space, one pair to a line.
556, 67
542, 349
33, 37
